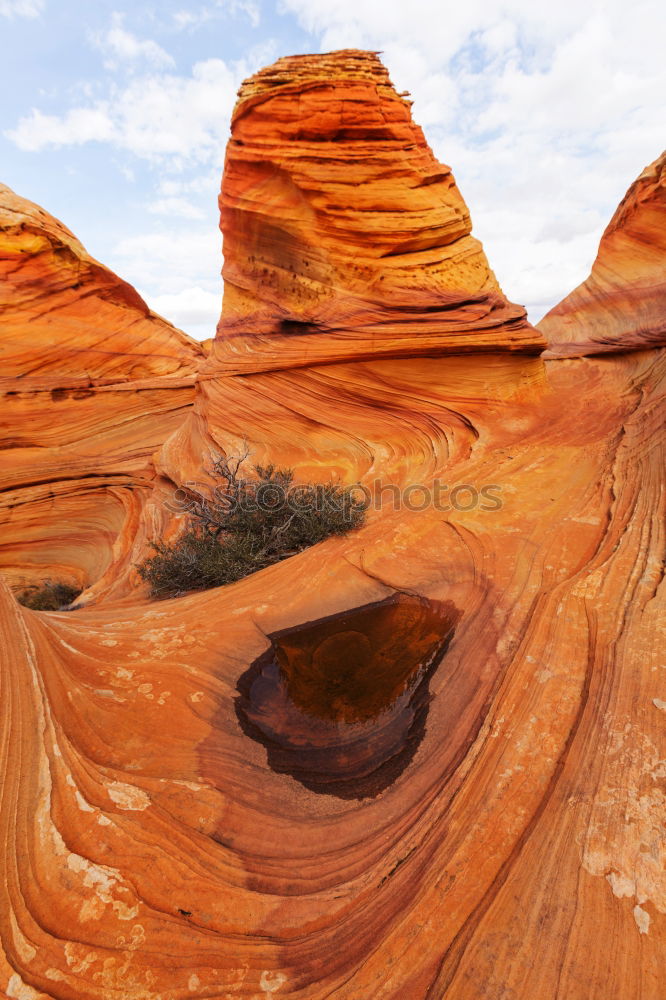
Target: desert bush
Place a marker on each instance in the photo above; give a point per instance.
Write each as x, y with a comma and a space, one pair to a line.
48, 596
248, 523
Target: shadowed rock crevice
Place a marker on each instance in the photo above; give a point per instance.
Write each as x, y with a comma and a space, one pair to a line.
341, 703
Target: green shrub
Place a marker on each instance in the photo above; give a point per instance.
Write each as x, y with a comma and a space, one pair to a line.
246, 525
48, 596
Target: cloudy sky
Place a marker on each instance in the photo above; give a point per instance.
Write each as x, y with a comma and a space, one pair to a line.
114, 117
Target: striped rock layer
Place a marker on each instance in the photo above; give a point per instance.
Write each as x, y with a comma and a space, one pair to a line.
621, 306
343, 235
91, 384
424, 760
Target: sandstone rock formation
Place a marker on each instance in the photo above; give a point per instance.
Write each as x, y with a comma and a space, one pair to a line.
622, 305
344, 238
70, 321
91, 383
423, 760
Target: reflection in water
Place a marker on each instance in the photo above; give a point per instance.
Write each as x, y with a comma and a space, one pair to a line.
341, 703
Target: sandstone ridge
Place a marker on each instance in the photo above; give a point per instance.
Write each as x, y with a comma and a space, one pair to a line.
92, 382
621, 306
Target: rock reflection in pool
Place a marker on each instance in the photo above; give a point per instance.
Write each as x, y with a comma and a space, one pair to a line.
341, 703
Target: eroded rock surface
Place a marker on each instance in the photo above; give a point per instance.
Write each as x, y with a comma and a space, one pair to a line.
67, 319
343, 235
91, 384
193, 805
622, 305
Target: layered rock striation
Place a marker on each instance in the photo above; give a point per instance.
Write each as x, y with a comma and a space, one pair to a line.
420, 761
621, 306
67, 320
91, 384
343, 235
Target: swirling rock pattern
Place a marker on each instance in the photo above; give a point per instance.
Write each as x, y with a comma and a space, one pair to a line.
91, 383
67, 319
622, 305
343, 236
192, 804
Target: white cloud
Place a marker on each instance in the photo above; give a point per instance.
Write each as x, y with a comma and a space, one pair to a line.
206, 182
179, 207
21, 8
171, 120
171, 259
189, 18
177, 271
127, 173
178, 124
193, 309
164, 118
182, 117
38, 131
120, 46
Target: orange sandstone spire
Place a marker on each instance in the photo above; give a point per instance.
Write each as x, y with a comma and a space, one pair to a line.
344, 237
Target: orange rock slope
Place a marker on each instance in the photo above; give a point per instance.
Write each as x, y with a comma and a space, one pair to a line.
622, 305
422, 760
67, 319
92, 383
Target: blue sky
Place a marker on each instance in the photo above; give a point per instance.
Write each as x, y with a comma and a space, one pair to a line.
114, 117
